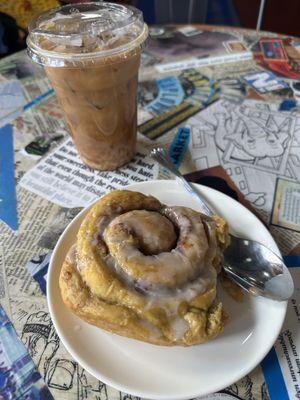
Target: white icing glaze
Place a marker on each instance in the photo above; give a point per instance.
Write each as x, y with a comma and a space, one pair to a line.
182, 264
152, 228
101, 226
155, 332
194, 261
154, 231
168, 300
178, 328
171, 301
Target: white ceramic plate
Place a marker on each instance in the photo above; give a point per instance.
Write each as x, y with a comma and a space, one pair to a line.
173, 373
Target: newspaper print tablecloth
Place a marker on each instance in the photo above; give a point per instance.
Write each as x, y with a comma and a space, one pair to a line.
237, 141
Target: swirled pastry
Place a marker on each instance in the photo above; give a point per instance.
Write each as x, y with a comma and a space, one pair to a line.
147, 271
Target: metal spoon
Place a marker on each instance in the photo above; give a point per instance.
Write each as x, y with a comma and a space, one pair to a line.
248, 263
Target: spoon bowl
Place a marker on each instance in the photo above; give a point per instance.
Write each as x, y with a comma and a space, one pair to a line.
257, 269
250, 264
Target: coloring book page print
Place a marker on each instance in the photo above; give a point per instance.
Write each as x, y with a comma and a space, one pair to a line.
256, 145
251, 134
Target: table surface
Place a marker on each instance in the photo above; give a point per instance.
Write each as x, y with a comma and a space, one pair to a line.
240, 143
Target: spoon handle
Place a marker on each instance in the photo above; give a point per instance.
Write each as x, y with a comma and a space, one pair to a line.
161, 156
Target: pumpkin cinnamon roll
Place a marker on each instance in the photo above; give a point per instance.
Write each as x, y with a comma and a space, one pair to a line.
146, 270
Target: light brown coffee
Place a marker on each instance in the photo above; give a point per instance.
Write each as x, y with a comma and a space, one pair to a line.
100, 108
91, 54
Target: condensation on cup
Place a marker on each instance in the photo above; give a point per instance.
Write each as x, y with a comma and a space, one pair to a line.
91, 55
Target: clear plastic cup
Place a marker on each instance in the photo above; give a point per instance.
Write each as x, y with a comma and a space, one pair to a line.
91, 54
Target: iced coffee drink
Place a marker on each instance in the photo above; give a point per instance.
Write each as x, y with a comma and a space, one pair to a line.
91, 54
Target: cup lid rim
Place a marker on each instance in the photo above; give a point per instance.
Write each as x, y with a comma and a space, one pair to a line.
135, 18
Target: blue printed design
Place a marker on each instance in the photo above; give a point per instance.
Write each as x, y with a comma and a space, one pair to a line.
179, 146
19, 378
38, 99
38, 268
170, 95
292, 261
11, 100
270, 365
8, 206
264, 82
273, 376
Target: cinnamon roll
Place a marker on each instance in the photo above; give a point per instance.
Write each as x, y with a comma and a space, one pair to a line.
146, 270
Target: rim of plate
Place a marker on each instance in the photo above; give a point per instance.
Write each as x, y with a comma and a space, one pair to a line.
113, 382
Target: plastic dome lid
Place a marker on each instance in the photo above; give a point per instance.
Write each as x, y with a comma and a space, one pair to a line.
85, 31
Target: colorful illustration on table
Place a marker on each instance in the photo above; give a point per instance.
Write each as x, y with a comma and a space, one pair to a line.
285, 210
65, 375
19, 378
232, 89
171, 43
179, 146
254, 142
8, 199
280, 55
60, 373
235, 46
38, 269
173, 99
217, 178
250, 134
158, 97
264, 82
